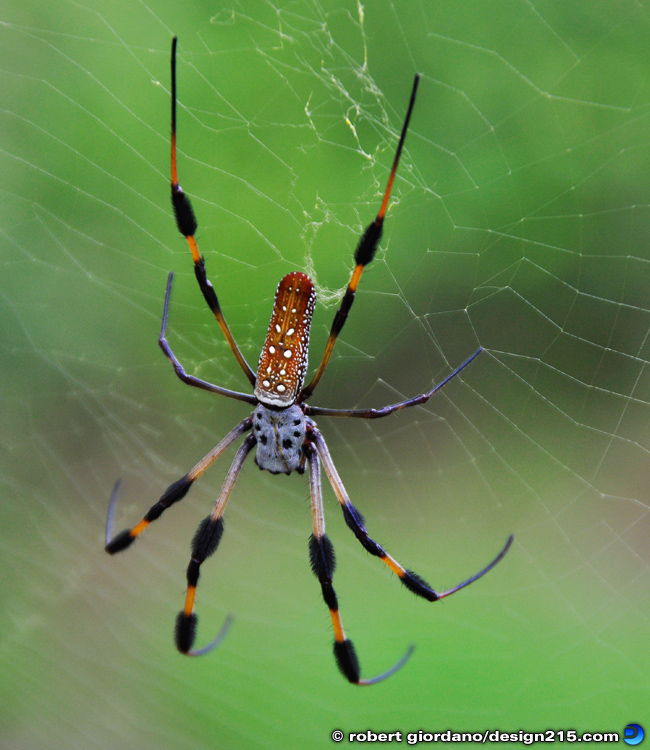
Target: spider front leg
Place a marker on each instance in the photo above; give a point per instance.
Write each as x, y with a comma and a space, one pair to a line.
172, 494
354, 520
323, 561
205, 543
187, 225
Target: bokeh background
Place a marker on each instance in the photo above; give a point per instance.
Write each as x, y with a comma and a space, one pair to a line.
520, 222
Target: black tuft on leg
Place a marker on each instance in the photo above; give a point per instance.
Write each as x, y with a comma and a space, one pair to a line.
347, 660
119, 542
368, 243
183, 212
415, 583
207, 538
185, 631
321, 557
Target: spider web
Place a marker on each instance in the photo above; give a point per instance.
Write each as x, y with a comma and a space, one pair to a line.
519, 222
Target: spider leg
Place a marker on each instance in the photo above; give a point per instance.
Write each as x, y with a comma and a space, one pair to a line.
354, 520
178, 367
187, 225
323, 562
319, 411
172, 494
205, 543
364, 253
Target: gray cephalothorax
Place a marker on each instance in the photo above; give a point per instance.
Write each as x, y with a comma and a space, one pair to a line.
280, 435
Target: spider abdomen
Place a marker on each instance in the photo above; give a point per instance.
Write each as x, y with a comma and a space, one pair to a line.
283, 362
280, 434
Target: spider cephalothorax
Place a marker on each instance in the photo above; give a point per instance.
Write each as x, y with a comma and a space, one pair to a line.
281, 426
280, 434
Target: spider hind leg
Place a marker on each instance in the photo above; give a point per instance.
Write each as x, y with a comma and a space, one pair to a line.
187, 226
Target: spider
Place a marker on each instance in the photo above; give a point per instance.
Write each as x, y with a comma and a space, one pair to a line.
281, 425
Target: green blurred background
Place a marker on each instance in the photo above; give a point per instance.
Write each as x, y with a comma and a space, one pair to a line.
519, 222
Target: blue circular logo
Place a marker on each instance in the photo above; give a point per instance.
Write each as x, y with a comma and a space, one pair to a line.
633, 734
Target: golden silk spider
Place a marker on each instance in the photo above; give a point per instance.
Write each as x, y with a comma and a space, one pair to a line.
281, 425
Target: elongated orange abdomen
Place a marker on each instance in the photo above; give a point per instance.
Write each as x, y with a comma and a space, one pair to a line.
283, 362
